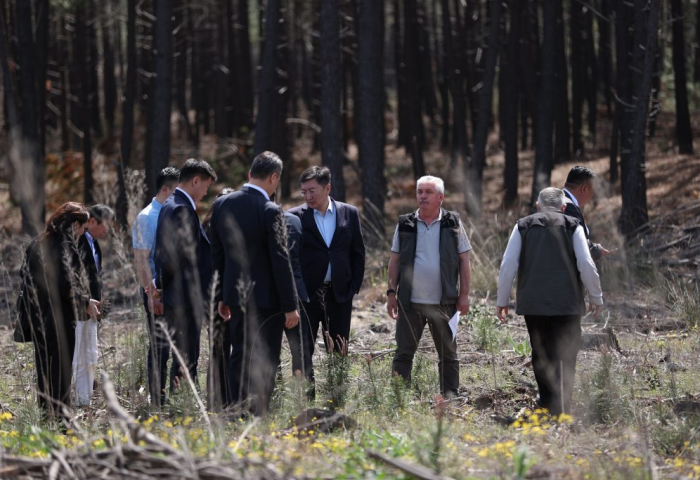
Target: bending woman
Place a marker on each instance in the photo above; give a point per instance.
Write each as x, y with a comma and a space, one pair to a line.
58, 296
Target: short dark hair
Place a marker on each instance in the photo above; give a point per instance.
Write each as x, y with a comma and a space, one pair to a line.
101, 212
265, 164
168, 176
578, 176
196, 168
321, 174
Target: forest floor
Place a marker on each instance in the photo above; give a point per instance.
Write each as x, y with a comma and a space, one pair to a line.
637, 400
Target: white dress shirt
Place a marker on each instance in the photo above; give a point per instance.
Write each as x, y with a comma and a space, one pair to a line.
326, 225
250, 185
194, 205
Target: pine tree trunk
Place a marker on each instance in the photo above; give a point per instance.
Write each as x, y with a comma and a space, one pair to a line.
161, 94
578, 79
605, 52
268, 74
245, 69
591, 75
634, 200
221, 118
109, 80
562, 145
181, 47
475, 174
30, 165
545, 102
93, 62
370, 142
331, 137
443, 77
684, 133
127, 111
82, 54
510, 97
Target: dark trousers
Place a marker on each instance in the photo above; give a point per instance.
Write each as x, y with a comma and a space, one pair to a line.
555, 343
53, 356
409, 329
256, 340
334, 319
296, 347
158, 354
218, 384
185, 325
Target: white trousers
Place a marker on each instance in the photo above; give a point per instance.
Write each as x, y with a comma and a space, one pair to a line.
85, 360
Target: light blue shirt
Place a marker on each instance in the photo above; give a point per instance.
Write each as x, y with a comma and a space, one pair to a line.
91, 242
144, 231
326, 225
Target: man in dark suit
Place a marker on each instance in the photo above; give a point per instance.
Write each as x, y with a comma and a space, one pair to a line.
295, 243
183, 265
332, 261
579, 190
85, 354
257, 295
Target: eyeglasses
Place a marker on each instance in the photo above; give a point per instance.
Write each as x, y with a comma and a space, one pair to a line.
310, 192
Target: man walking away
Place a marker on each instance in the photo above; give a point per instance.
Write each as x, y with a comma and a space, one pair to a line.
549, 253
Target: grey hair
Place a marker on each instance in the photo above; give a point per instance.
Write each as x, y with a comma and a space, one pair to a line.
551, 197
439, 184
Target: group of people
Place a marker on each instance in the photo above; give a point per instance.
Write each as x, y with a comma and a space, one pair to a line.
251, 271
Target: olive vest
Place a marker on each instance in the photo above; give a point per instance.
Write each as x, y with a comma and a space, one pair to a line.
549, 283
449, 256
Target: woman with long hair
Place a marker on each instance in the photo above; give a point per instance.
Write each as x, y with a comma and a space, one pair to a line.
58, 296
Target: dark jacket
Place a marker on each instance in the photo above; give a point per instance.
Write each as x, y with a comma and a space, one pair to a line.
249, 252
346, 253
549, 283
295, 244
449, 256
182, 255
57, 292
94, 271
573, 211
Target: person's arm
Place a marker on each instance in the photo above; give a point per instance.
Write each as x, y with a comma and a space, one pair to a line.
507, 272
393, 274
357, 253
281, 267
465, 272
588, 271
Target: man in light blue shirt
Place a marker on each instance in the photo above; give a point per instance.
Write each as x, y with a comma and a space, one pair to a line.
144, 236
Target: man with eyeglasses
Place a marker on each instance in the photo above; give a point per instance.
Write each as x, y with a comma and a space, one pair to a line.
332, 262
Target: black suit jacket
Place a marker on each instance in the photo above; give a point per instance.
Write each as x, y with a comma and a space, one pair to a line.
346, 253
182, 255
295, 242
249, 252
94, 271
573, 211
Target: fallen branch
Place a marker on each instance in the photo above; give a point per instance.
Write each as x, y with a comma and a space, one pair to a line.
418, 471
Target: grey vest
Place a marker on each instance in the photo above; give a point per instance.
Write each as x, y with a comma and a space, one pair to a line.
449, 256
549, 283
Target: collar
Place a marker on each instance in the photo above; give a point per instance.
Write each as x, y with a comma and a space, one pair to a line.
90, 240
330, 209
573, 198
436, 220
194, 205
250, 185
156, 203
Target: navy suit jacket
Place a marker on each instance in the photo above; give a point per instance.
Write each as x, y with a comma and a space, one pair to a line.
182, 255
94, 271
295, 242
346, 253
573, 211
249, 252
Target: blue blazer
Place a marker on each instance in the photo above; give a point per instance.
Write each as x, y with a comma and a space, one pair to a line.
249, 252
182, 255
346, 253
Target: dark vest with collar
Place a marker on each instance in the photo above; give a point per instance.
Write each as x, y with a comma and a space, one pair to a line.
549, 283
449, 256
